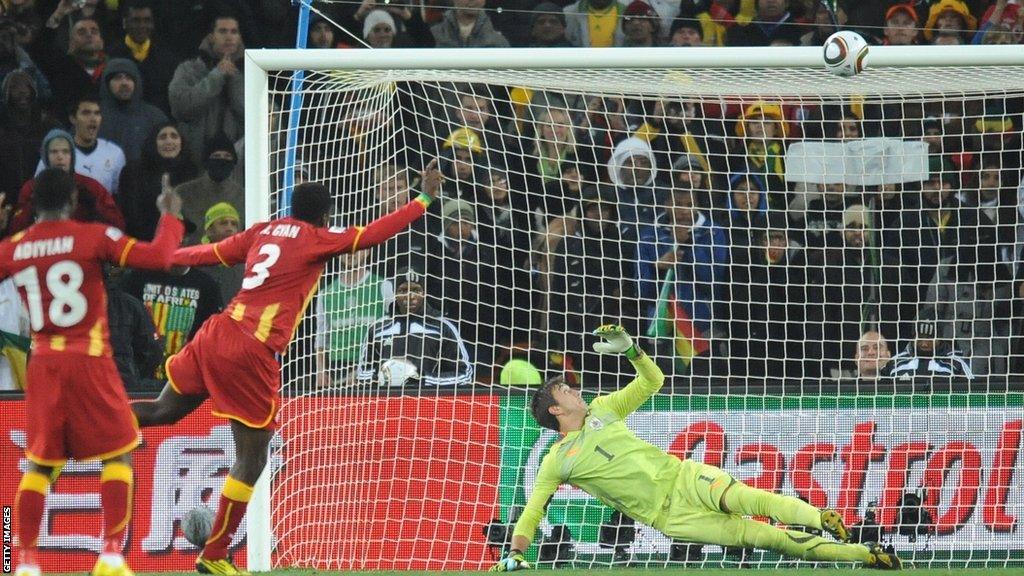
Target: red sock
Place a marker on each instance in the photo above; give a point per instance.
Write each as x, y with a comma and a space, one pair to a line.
116, 482
29, 505
234, 499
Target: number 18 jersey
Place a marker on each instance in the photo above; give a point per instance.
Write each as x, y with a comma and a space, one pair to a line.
57, 267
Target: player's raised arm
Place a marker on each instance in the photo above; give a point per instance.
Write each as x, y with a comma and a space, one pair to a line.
382, 229
155, 255
544, 488
649, 377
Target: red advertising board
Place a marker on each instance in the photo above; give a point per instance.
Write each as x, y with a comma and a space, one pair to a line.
379, 481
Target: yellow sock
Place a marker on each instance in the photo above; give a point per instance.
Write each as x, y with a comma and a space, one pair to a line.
746, 501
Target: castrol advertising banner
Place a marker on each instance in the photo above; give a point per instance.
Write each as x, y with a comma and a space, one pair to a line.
962, 455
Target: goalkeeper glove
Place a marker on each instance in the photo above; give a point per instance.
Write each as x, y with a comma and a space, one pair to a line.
514, 560
616, 341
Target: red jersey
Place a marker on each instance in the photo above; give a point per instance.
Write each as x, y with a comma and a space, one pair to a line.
57, 266
283, 262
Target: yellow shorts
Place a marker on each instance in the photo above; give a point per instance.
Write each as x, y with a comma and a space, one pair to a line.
692, 510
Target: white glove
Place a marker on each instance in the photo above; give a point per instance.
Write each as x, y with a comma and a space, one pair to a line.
396, 372
616, 341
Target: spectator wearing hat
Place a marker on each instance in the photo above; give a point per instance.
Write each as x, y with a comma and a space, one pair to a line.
95, 204
322, 34
379, 29
640, 26
207, 93
155, 59
633, 169
413, 332
594, 23
127, 119
872, 356
686, 32
950, 16
214, 185
462, 274
23, 124
222, 221
164, 152
467, 25
926, 356
761, 141
475, 108
772, 23
901, 27
547, 26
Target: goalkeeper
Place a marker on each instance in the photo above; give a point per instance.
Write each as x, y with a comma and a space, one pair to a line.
684, 499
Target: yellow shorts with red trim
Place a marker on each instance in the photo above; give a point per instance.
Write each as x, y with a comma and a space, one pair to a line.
76, 407
240, 375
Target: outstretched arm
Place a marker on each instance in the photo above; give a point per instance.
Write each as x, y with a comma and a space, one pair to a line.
544, 488
649, 377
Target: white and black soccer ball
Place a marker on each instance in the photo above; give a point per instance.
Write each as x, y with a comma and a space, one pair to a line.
197, 525
844, 53
396, 372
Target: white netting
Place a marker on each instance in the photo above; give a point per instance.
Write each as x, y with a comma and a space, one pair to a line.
771, 236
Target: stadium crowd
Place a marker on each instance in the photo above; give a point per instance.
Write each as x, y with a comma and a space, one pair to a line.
559, 212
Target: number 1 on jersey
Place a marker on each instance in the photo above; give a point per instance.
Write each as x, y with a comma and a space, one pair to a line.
261, 269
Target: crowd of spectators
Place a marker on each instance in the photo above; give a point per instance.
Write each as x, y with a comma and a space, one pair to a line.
559, 211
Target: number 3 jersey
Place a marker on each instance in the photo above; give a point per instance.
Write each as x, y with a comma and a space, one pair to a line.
283, 261
57, 266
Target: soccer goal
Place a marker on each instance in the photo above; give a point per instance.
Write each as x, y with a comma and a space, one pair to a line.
824, 267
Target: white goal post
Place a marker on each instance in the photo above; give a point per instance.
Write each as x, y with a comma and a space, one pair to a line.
920, 73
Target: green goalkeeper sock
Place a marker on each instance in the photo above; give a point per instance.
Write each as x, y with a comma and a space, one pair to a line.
801, 545
746, 501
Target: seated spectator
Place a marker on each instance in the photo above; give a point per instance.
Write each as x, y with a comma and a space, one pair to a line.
214, 185
94, 203
14, 57
23, 123
949, 16
686, 32
926, 356
155, 59
414, 333
345, 310
137, 347
872, 356
95, 157
594, 23
467, 25
901, 25
748, 209
773, 22
547, 26
207, 93
633, 170
640, 25
222, 222
164, 152
127, 120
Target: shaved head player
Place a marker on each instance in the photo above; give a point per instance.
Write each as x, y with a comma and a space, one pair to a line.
233, 358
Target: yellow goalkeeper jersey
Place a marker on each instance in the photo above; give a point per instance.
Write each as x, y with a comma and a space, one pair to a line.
606, 459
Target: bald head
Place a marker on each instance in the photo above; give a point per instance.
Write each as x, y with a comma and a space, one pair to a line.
872, 354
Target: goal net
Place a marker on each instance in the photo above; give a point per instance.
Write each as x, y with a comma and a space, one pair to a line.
825, 269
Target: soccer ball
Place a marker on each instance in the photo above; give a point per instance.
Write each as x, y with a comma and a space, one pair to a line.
844, 53
396, 372
197, 525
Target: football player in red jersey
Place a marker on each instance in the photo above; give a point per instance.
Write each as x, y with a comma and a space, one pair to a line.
75, 402
233, 358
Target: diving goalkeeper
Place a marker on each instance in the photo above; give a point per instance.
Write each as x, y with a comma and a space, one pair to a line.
684, 499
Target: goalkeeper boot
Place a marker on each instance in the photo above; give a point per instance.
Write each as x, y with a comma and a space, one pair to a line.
832, 522
883, 560
222, 566
111, 565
